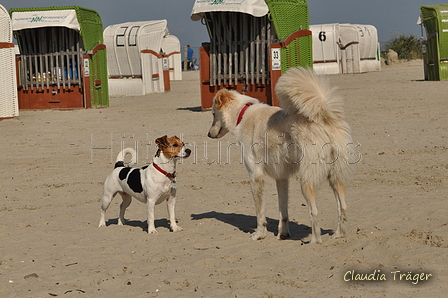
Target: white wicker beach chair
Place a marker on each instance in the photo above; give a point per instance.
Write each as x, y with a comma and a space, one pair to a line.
9, 106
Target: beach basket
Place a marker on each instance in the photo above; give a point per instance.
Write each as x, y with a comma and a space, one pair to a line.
276, 37
63, 60
434, 18
9, 106
139, 61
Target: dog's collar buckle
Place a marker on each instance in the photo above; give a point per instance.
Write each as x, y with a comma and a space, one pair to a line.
172, 176
243, 110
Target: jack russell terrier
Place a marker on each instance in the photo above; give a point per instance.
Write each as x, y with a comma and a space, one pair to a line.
151, 184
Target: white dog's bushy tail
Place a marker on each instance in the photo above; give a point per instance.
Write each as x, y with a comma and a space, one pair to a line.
302, 91
122, 155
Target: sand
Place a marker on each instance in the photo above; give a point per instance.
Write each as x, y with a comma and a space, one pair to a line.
54, 164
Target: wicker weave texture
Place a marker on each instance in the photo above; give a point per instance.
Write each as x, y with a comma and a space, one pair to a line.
171, 47
8, 96
153, 80
5, 25
290, 16
434, 19
98, 71
9, 106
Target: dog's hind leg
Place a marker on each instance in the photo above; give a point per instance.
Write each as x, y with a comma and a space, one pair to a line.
127, 199
257, 184
283, 223
339, 193
309, 192
105, 203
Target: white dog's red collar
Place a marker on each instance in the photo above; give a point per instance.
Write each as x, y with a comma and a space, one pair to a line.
240, 116
169, 175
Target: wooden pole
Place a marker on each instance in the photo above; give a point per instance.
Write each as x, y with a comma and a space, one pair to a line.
185, 58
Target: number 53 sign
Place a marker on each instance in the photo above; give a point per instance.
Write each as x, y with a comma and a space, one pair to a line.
275, 58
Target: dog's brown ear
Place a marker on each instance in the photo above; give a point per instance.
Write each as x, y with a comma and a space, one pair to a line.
222, 98
162, 141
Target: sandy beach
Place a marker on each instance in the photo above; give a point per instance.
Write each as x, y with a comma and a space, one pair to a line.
55, 162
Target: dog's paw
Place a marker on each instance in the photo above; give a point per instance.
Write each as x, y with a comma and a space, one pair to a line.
316, 240
177, 229
102, 224
152, 231
258, 235
337, 236
281, 236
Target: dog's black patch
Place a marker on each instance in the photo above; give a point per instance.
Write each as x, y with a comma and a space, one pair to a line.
144, 167
124, 173
119, 164
134, 181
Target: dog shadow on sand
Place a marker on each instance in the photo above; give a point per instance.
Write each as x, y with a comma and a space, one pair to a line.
247, 223
143, 224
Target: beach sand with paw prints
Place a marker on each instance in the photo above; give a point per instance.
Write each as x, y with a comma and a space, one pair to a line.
55, 162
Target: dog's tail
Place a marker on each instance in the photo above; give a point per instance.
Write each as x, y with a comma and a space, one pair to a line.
302, 91
120, 157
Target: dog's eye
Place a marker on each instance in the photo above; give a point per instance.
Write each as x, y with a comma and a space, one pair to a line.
176, 145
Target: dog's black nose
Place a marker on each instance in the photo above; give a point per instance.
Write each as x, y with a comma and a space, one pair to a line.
188, 151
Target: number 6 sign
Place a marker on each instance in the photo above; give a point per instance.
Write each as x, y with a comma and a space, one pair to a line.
322, 36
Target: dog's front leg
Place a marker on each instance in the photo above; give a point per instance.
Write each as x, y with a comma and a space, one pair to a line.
150, 205
257, 185
171, 203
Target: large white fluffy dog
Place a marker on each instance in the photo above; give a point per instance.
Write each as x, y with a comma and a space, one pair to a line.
307, 136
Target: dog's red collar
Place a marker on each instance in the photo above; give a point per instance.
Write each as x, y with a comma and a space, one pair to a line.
243, 110
169, 175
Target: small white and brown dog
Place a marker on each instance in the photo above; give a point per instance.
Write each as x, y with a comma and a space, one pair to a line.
151, 184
